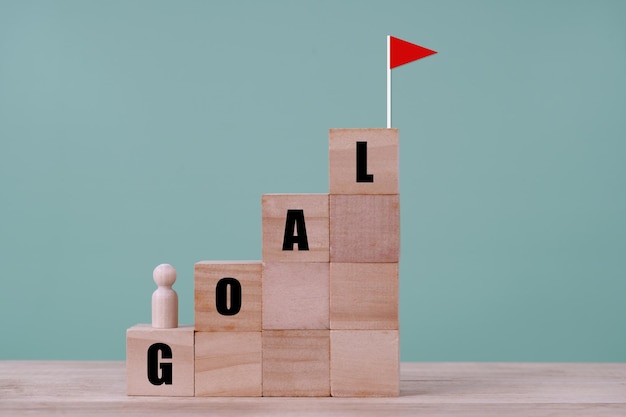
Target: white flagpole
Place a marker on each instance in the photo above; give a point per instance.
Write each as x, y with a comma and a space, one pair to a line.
388, 82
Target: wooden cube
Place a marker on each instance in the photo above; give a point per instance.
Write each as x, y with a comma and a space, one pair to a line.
295, 228
364, 296
295, 295
296, 363
364, 161
227, 296
364, 363
228, 364
365, 228
160, 361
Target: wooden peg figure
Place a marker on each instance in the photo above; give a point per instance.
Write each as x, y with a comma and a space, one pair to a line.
164, 299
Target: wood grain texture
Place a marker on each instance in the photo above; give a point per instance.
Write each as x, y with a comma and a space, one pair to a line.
364, 363
139, 338
228, 364
296, 363
316, 216
365, 228
364, 296
296, 295
45, 388
206, 276
382, 161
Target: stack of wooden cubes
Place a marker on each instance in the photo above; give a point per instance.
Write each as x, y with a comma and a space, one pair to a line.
318, 316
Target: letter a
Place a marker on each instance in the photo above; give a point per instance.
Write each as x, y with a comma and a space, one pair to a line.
295, 218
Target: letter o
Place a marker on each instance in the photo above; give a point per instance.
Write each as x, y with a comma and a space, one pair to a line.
221, 296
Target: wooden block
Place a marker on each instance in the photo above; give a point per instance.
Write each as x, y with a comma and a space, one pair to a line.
160, 361
296, 295
364, 296
365, 228
295, 228
364, 161
218, 306
228, 364
364, 363
296, 363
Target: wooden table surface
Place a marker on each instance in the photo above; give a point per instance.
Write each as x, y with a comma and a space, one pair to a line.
31, 388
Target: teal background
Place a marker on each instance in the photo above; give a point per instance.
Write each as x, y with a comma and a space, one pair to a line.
139, 132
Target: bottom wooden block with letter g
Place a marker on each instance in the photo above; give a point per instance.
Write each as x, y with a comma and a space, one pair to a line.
160, 361
364, 363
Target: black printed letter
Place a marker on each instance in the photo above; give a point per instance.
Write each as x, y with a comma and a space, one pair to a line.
221, 296
153, 364
295, 217
361, 163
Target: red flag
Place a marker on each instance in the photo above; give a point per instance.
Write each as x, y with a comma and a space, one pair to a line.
402, 52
